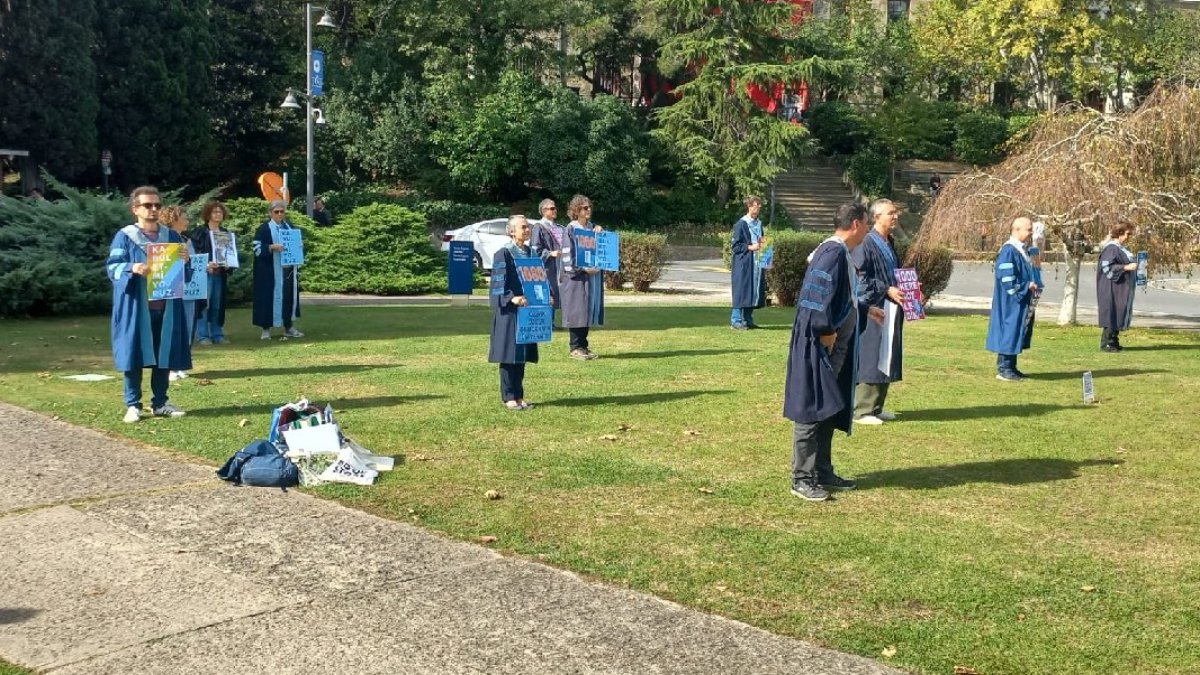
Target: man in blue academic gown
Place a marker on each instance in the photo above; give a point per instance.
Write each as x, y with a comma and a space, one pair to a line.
819, 390
1010, 326
746, 277
876, 261
145, 333
276, 286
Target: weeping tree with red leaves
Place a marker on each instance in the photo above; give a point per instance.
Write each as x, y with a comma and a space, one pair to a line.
1081, 171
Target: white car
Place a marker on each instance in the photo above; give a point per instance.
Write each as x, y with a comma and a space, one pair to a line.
488, 236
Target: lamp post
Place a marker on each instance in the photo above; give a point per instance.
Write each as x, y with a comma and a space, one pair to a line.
290, 102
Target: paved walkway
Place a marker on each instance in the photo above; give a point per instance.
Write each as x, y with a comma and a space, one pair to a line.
122, 560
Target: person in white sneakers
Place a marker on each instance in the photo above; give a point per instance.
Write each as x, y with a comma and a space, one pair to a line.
145, 333
881, 346
276, 286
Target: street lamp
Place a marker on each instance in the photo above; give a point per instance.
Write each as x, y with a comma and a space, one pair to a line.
326, 21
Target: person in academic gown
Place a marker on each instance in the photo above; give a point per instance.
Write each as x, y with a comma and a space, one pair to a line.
819, 386
506, 301
1010, 325
175, 218
210, 320
145, 333
276, 286
547, 242
1116, 281
876, 261
746, 277
581, 289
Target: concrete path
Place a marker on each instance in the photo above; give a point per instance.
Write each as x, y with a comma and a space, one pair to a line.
119, 559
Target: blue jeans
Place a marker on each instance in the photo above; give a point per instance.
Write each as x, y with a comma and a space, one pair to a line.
160, 378
208, 325
742, 315
1006, 363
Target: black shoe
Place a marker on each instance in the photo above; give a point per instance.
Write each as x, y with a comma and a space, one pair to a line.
740, 326
1110, 349
836, 482
1008, 376
1021, 375
752, 325
809, 491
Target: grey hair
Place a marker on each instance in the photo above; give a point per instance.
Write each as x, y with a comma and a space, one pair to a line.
545, 203
278, 203
513, 220
877, 207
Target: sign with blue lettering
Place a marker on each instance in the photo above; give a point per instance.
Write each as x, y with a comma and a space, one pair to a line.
535, 285
318, 72
608, 251
1143, 269
197, 284
462, 268
585, 247
293, 247
534, 324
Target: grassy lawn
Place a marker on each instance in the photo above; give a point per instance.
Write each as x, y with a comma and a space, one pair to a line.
1005, 527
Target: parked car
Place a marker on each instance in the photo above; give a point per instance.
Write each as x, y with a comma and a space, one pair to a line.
488, 236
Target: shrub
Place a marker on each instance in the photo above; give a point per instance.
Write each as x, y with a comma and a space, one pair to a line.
341, 202
791, 262
642, 257
839, 128
443, 214
980, 136
934, 265
916, 129
871, 171
381, 248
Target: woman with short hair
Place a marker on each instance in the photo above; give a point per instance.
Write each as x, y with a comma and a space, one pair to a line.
1115, 286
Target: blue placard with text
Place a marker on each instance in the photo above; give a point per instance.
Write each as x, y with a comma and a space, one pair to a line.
585, 247
1143, 268
535, 285
462, 267
293, 247
318, 72
534, 324
197, 283
608, 251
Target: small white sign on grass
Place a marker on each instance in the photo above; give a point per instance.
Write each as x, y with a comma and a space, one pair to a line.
1089, 388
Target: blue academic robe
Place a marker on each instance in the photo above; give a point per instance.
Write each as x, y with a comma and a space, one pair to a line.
543, 242
1010, 325
1115, 287
745, 274
812, 391
133, 345
217, 289
276, 288
877, 262
504, 347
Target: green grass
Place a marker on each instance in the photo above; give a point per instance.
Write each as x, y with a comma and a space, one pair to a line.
1005, 527
7, 668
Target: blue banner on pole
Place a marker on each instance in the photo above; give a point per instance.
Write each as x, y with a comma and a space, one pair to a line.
534, 324
608, 251
462, 267
318, 72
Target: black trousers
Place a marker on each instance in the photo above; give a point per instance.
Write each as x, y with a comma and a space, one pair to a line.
812, 451
1109, 338
579, 338
512, 381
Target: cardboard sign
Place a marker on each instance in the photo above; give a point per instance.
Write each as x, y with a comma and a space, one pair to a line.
197, 285
461, 267
608, 251
1143, 268
766, 259
166, 275
224, 248
535, 285
585, 248
1089, 388
914, 299
293, 247
534, 324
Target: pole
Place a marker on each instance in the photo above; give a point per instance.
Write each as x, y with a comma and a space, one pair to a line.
308, 106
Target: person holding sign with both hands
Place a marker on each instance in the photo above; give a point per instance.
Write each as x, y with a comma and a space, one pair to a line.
582, 288
749, 291
507, 298
276, 285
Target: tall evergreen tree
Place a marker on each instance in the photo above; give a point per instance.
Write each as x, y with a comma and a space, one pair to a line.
48, 102
152, 60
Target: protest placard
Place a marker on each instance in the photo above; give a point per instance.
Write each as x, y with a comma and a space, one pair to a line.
1089, 388
535, 285
914, 299
224, 248
766, 259
608, 251
534, 324
293, 247
1143, 268
197, 284
585, 248
166, 274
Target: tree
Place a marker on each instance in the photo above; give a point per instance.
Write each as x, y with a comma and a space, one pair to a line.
1081, 172
723, 47
48, 101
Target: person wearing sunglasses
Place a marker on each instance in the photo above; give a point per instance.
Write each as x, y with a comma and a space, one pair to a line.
582, 288
145, 333
547, 242
276, 286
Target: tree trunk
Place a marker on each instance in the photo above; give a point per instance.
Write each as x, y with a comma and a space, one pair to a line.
723, 188
1070, 301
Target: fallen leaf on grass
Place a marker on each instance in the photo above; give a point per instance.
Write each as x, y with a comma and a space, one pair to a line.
965, 670
1087, 589
421, 458
72, 337
608, 437
706, 490
889, 651
243, 422
624, 427
1122, 450
690, 432
44, 374
488, 539
204, 382
493, 494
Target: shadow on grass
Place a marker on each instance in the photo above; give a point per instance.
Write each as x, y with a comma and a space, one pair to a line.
338, 404
978, 412
630, 399
677, 352
1161, 348
17, 614
1102, 372
292, 370
1003, 472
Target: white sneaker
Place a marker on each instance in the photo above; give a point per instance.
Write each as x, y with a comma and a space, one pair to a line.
132, 414
869, 420
886, 415
168, 410
293, 333
177, 375
266, 335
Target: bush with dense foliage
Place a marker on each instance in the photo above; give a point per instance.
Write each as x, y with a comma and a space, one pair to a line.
871, 172
980, 136
934, 265
786, 276
917, 129
382, 249
642, 257
242, 217
839, 128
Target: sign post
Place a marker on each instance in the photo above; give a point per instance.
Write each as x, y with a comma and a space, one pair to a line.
461, 272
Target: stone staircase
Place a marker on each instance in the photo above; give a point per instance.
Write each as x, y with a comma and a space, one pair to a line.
811, 193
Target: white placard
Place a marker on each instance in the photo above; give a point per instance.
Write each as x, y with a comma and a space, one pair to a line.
1089, 388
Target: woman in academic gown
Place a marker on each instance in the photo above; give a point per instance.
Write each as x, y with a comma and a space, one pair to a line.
582, 289
506, 299
1116, 280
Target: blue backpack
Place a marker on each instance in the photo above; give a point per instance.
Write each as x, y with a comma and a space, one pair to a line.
260, 465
